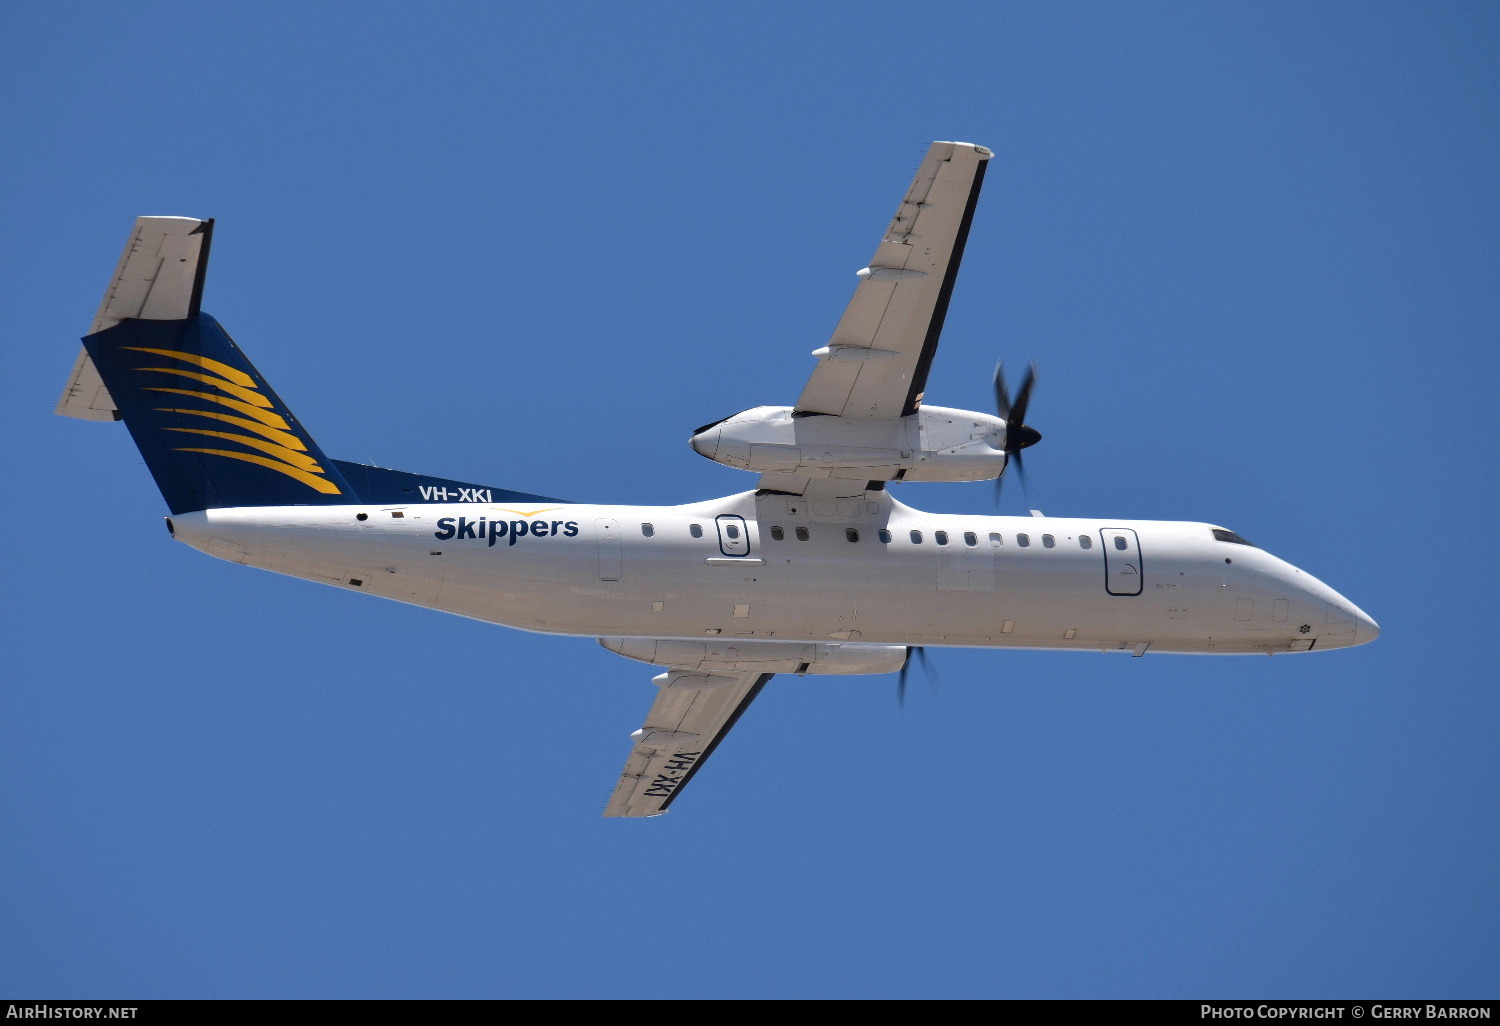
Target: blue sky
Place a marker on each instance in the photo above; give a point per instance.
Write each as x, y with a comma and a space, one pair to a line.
1253, 249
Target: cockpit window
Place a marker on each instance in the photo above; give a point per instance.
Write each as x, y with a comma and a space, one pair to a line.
1230, 536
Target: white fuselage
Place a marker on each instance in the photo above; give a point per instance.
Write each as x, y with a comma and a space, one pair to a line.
718, 569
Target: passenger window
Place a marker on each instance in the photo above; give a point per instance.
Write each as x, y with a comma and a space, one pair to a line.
851, 534
1085, 542
696, 530
970, 538
885, 535
916, 537
1048, 541
1023, 540
1119, 543
732, 531
647, 530
777, 533
995, 539
941, 537
802, 534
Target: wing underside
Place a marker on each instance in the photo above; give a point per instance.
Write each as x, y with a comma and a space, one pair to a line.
875, 366
690, 716
873, 372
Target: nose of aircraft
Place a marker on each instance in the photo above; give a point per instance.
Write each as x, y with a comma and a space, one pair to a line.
1340, 613
1365, 629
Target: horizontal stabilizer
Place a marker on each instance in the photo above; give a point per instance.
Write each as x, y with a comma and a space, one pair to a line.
159, 278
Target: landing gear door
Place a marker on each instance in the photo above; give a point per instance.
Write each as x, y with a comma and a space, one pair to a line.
1123, 572
734, 540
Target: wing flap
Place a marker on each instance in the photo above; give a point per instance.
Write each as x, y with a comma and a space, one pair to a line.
902, 297
688, 719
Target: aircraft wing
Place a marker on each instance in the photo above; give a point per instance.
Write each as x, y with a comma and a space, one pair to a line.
875, 366
159, 278
690, 716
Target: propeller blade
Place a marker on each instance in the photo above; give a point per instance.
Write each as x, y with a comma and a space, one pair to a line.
1002, 395
918, 653
1018, 435
1023, 398
929, 669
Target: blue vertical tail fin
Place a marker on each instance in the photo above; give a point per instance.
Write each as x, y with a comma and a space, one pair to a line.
212, 431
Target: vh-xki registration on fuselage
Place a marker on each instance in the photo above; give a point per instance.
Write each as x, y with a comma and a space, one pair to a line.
817, 569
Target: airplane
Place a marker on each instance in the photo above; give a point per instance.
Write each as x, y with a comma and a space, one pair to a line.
818, 569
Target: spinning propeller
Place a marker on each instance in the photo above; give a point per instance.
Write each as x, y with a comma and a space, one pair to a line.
919, 653
1018, 435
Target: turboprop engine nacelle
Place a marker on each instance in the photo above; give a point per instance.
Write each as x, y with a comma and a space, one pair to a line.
758, 657
933, 444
